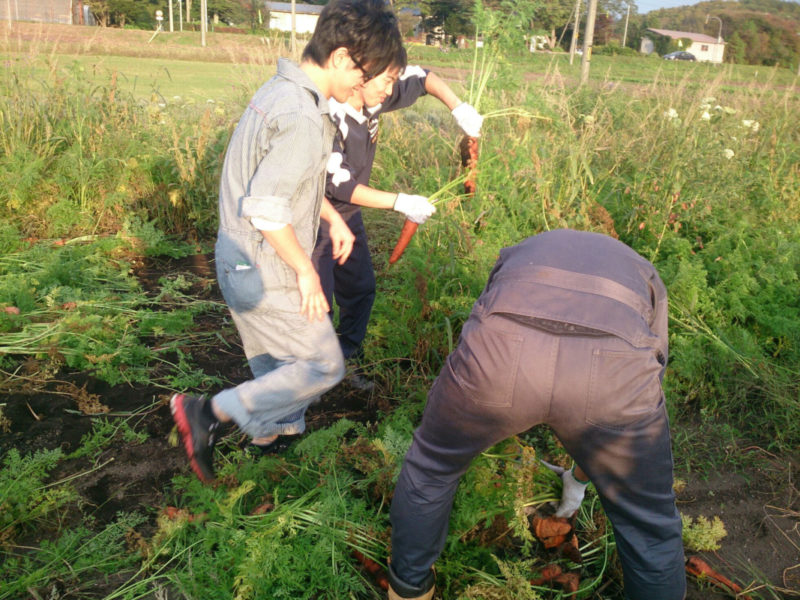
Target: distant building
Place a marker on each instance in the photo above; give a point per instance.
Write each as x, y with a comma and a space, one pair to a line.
69, 12
704, 47
306, 16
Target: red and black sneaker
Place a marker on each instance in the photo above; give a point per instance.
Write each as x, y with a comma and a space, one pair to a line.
198, 428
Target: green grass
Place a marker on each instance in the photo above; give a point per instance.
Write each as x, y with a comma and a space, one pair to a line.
169, 81
95, 160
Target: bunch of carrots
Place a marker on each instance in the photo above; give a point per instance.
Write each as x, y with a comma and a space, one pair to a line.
468, 145
410, 227
469, 150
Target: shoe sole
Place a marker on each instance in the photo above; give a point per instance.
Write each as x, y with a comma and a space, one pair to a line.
179, 416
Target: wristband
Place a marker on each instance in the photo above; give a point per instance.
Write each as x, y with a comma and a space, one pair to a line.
572, 472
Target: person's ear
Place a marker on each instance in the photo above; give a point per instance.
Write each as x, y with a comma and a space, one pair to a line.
339, 57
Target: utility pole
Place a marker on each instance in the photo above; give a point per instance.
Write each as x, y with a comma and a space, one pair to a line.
627, 17
203, 21
294, 30
575, 30
588, 36
171, 27
719, 32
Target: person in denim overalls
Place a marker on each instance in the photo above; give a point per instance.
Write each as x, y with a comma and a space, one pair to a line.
571, 331
270, 204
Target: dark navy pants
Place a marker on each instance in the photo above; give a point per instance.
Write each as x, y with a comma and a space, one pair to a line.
603, 399
351, 284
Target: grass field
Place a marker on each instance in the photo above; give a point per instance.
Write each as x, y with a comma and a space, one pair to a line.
110, 149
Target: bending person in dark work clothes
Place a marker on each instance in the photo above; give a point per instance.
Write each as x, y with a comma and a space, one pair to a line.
571, 331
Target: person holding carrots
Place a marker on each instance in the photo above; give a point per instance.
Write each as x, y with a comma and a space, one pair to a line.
570, 330
352, 283
270, 204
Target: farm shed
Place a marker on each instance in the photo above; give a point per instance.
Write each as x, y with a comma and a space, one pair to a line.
704, 47
306, 16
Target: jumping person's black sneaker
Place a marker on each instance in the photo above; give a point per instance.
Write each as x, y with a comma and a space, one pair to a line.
358, 382
198, 428
281, 444
356, 379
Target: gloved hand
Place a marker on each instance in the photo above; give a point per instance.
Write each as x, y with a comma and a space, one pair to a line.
468, 119
573, 492
415, 208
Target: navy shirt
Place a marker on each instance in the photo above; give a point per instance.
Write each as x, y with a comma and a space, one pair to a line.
355, 143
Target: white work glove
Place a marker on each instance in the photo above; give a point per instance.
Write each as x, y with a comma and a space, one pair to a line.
468, 119
415, 208
573, 492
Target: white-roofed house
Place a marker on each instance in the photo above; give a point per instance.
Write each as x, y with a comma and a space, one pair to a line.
704, 47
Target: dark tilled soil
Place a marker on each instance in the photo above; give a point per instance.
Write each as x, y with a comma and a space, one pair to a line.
759, 503
760, 507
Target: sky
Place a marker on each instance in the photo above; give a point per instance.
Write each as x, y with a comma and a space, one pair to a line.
646, 6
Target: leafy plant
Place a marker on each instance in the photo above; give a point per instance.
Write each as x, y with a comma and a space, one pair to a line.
79, 557
103, 433
702, 534
24, 497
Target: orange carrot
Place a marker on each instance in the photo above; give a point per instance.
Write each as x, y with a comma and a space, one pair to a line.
373, 569
569, 581
408, 231
173, 513
551, 531
549, 572
263, 508
469, 160
699, 568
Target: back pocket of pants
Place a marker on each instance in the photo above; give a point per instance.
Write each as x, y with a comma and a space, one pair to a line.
624, 387
485, 364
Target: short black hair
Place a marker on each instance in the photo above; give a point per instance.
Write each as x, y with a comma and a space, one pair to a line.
367, 29
400, 59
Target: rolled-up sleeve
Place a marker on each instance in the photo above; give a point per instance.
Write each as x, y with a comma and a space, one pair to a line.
283, 167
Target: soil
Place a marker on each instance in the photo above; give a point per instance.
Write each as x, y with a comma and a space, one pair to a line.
758, 499
760, 507
759, 503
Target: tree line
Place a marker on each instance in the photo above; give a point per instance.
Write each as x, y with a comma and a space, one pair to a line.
758, 32
246, 14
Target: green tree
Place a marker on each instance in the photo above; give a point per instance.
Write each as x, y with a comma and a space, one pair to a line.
455, 16
735, 49
228, 11
119, 13
101, 11
550, 16
253, 12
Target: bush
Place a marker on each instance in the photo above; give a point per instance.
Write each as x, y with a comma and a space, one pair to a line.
615, 50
